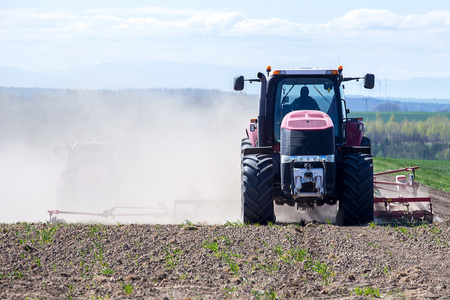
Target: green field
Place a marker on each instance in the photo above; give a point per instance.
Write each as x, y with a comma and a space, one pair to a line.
432, 173
399, 115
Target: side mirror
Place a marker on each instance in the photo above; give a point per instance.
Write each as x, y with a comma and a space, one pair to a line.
369, 81
238, 83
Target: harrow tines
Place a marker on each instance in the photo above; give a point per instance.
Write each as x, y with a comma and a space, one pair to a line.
405, 204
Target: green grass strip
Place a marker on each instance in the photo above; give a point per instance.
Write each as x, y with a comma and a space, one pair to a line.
432, 173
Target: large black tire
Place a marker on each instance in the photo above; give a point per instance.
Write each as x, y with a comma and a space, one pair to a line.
257, 189
365, 141
356, 205
245, 143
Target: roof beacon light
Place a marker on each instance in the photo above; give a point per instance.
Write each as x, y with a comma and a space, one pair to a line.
340, 69
269, 68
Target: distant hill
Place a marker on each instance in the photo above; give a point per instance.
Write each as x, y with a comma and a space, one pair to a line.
169, 74
358, 103
156, 74
354, 103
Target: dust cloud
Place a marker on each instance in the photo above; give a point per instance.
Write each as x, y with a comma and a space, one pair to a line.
322, 214
176, 154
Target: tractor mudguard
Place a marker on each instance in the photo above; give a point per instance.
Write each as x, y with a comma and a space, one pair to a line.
355, 131
258, 150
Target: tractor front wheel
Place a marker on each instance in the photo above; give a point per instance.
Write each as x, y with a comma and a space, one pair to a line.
257, 189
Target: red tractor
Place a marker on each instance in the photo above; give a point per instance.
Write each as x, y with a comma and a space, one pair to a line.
302, 150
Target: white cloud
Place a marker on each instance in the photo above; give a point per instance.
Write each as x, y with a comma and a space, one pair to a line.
373, 38
217, 23
434, 19
364, 19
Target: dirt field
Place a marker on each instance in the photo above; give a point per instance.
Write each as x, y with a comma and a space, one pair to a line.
193, 261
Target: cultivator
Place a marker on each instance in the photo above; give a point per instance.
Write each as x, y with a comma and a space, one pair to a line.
182, 210
159, 211
401, 199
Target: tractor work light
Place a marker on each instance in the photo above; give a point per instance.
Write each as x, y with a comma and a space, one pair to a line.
307, 158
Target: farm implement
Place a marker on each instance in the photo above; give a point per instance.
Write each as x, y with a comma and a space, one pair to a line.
182, 210
160, 211
400, 199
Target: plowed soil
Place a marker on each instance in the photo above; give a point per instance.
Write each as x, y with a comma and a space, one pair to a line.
235, 261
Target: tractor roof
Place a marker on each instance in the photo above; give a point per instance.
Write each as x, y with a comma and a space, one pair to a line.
305, 71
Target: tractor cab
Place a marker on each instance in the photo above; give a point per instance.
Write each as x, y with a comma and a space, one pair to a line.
285, 91
90, 175
305, 92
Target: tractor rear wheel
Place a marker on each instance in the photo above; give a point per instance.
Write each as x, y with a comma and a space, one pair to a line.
356, 205
257, 189
245, 143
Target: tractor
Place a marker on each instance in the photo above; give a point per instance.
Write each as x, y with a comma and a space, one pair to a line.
89, 178
302, 150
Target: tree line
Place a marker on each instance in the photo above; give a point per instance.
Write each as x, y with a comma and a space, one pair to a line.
428, 139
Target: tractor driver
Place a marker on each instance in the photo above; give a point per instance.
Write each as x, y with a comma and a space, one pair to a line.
304, 102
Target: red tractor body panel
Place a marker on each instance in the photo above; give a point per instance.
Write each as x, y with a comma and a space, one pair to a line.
355, 132
252, 133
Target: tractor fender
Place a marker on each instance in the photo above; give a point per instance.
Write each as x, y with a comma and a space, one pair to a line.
355, 131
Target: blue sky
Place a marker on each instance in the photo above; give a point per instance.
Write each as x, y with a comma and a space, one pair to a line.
394, 39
